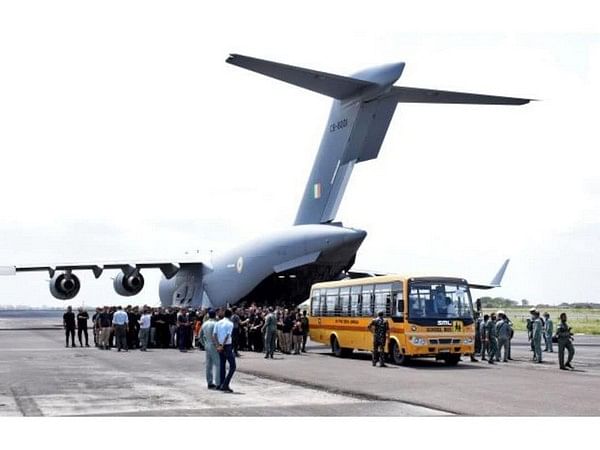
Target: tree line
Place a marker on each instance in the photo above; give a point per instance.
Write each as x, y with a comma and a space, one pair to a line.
501, 302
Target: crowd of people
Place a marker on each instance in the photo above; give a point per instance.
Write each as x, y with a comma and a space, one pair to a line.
270, 329
255, 328
494, 333
222, 333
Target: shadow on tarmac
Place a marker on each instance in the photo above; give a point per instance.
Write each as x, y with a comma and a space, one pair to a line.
424, 363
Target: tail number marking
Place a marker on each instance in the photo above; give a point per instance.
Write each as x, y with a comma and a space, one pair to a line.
338, 125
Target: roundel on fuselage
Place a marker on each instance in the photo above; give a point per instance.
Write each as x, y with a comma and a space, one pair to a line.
240, 264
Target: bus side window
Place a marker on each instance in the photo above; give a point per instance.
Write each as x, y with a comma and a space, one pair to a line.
367, 301
382, 299
316, 307
332, 300
355, 301
344, 302
397, 300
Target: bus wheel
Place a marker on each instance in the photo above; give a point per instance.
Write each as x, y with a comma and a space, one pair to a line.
452, 360
396, 356
336, 349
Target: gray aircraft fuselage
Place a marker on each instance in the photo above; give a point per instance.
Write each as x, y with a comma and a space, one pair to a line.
273, 269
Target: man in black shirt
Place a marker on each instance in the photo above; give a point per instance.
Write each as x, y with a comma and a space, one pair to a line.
105, 322
288, 324
69, 326
82, 318
235, 336
134, 327
305, 329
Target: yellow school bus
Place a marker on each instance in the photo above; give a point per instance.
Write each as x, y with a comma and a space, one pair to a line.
428, 316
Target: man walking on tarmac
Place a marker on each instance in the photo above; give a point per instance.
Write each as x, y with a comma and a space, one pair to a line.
564, 335
381, 333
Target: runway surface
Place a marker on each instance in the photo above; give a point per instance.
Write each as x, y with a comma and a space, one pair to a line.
40, 377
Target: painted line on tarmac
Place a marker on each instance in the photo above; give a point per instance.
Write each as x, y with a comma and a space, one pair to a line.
25, 402
345, 392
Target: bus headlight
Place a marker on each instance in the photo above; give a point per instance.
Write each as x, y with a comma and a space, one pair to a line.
417, 340
468, 341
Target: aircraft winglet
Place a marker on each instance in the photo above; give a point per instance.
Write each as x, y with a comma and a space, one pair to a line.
8, 270
496, 281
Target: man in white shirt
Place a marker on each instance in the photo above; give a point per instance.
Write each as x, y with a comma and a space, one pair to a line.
120, 322
222, 334
144, 329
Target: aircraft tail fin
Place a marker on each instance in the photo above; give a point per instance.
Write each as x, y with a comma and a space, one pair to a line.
335, 86
362, 110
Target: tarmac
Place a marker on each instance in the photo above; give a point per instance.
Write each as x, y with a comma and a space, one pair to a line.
40, 377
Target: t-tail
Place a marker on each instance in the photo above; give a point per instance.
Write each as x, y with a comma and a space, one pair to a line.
361, 113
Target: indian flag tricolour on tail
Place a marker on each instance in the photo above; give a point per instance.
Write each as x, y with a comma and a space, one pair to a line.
317, 190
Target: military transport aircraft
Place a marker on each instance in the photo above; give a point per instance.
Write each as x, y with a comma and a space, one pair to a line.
315, 248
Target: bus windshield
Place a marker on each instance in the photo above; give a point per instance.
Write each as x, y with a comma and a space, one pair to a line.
431, 299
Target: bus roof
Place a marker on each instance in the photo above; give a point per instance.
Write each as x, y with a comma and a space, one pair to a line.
383, 279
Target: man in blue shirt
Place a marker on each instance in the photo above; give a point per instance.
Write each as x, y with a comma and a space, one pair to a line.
120, 322
222, 334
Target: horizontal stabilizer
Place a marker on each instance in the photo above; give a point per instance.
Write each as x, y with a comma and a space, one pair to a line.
496, 281
417, 95
335, 86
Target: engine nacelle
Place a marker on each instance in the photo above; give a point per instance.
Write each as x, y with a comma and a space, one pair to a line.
128, 285
64, 286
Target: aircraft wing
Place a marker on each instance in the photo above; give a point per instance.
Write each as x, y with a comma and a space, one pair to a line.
358, 273
417, 95
168, 268
496, 281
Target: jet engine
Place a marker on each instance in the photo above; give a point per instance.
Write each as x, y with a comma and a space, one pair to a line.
128, 285
64, 285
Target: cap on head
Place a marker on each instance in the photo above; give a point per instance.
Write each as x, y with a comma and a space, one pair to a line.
532, 310
212, 313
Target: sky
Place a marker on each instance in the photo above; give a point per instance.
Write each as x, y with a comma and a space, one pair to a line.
125, 136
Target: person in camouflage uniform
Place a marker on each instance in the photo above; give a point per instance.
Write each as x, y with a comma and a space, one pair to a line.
536, 336
491, 336
564, 335
381, 331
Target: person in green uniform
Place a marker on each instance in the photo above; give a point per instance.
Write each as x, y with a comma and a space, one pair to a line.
548, 332
381, 332
536, 336
564, 335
